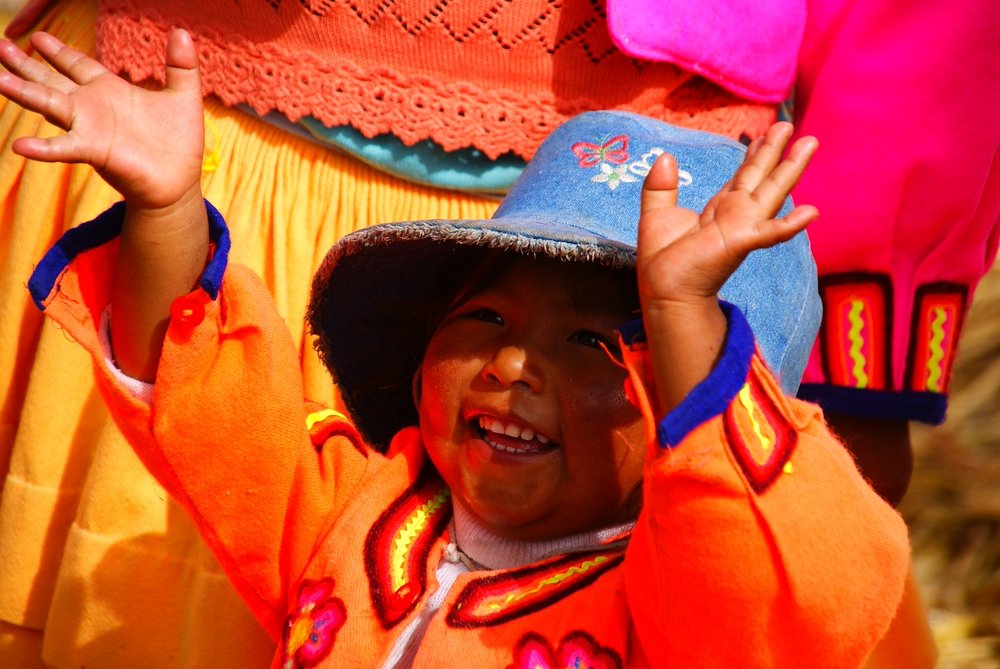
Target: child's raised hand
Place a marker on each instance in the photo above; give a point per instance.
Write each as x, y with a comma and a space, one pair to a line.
684, 258
147, 144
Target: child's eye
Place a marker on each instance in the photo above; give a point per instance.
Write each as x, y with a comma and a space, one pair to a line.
595, 340
485, 315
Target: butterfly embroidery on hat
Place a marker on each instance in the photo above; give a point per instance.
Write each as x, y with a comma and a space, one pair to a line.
507, 595
611, 160
577, 650
310, 631
398, 544
614, 151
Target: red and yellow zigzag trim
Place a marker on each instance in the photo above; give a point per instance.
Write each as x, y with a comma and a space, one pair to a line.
398, 545
324, 424
854, 339
759, 434
511, 594
938, 312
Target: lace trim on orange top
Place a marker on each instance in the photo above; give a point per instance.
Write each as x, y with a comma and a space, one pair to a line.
495, 75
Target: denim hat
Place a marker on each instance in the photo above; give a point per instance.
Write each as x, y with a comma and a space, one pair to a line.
380, 290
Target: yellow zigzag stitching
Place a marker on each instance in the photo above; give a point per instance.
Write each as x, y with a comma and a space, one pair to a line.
747, 401
213, 143
405, 537
323, 414
857, 325
555, 579
934, 369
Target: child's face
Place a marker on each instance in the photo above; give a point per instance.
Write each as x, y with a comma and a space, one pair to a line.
522, 355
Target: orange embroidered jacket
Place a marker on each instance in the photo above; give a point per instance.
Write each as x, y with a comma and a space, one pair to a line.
759, 544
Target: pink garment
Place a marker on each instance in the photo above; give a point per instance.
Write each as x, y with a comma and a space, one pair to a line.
904, 99
905, 103
747, 48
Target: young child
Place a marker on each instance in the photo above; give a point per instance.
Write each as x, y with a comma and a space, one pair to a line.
519, 485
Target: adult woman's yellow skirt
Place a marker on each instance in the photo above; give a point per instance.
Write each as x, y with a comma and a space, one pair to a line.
99, 568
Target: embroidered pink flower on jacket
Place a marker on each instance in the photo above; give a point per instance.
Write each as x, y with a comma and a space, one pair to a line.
615, 151
577, 650
310, 631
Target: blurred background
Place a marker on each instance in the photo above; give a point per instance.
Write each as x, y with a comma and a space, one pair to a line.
953, 505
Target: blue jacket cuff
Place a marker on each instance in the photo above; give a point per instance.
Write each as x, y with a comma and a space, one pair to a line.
926, 407
711, 397
107, 227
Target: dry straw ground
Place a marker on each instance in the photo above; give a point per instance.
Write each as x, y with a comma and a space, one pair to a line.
953, 506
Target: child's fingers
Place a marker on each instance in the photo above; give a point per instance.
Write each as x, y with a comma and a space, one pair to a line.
778, 230
54, 105
58, 149
661, 221
762, 160
29, 69
659, 190
182, 63
775, 187
77, 66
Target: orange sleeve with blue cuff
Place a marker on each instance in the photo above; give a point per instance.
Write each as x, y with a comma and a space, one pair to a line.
262, 494
760, 544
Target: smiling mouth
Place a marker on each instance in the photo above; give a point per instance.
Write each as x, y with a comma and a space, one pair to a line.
510, 437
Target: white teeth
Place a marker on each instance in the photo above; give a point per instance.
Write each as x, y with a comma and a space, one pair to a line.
497, 426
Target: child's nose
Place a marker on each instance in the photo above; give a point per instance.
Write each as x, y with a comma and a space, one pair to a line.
509, 366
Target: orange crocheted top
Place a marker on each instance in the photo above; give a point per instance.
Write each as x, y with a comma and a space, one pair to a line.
498, 75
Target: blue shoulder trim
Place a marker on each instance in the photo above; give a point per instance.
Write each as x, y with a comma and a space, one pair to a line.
105, 228
218, 233
711, 397
925, 407
633, 332
75, 241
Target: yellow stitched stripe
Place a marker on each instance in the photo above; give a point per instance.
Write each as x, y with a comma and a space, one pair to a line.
746, 399
555, 579
213, 143
408, 534
318, 416
857, 342
935, 372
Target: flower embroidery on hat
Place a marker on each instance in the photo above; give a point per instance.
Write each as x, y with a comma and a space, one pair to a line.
310, 631
612, 176
577, 650
611, 159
